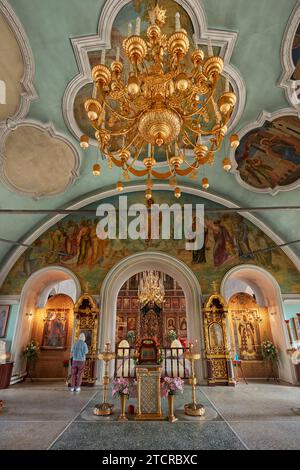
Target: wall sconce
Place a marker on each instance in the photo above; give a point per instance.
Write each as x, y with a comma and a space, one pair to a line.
29, 314
273, 313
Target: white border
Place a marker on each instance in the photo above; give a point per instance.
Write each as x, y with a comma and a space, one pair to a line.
262, 118
83, 45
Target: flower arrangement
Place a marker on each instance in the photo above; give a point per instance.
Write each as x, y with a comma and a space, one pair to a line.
32, 350
122, 386
131, 336
269, 351
172, 335
172, 386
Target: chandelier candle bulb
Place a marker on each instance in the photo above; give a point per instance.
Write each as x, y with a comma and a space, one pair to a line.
96, 169
205, 183
120, 186
84, 141
129, 29
226, 164
177, 193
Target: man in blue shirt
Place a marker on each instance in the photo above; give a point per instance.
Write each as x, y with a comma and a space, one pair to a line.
78, 350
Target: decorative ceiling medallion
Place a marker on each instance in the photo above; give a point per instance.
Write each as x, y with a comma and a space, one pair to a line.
36, 161
290, 59
112, 29
268, 157
16, 67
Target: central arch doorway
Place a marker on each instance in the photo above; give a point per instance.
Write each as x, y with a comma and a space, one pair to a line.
156, 261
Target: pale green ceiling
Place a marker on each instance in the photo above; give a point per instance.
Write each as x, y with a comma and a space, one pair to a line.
49, 26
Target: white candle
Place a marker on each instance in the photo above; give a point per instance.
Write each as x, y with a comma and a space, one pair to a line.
177, 21
138, 26
129, 29
226, 84
118, 54
103, 53
210, 48
195, 41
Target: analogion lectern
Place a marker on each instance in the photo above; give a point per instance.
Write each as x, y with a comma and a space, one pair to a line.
148, 374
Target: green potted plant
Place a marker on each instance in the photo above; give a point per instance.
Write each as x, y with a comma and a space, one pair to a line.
270, 354
131, 337
172, 335
31, 352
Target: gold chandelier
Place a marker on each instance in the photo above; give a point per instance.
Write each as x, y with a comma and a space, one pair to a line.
164, 103
151, 289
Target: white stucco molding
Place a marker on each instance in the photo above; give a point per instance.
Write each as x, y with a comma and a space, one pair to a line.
102, 40
140, 262
96, 196
9, 299
29, 92
291, 87
262, 118
50, 130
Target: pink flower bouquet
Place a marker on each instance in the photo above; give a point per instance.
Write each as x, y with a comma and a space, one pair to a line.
122, 386
172, 386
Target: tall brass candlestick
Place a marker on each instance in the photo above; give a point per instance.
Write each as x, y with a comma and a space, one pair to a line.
105, 408
194, 408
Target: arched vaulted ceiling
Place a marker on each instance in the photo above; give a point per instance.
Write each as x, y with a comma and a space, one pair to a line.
39, 35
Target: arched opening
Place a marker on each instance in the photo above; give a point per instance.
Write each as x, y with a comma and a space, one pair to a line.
33, 309
249, 326
171, 312
248, 279
157, 261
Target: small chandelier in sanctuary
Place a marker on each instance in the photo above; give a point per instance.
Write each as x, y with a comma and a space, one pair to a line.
162, 107
151, 289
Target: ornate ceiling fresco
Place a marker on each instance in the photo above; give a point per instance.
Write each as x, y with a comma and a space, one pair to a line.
46, 67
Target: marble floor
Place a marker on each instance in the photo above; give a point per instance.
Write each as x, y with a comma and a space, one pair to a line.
45, 415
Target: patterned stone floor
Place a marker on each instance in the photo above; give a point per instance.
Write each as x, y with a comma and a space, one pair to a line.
45, 415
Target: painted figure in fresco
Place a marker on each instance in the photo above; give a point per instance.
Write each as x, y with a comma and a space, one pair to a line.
223, 248
296, 55
57, 243
247, 337
84, 241
240, 235
198, 256
264, 258
261, 172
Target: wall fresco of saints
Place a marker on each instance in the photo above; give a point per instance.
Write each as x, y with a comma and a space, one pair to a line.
269, 156
229, 240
